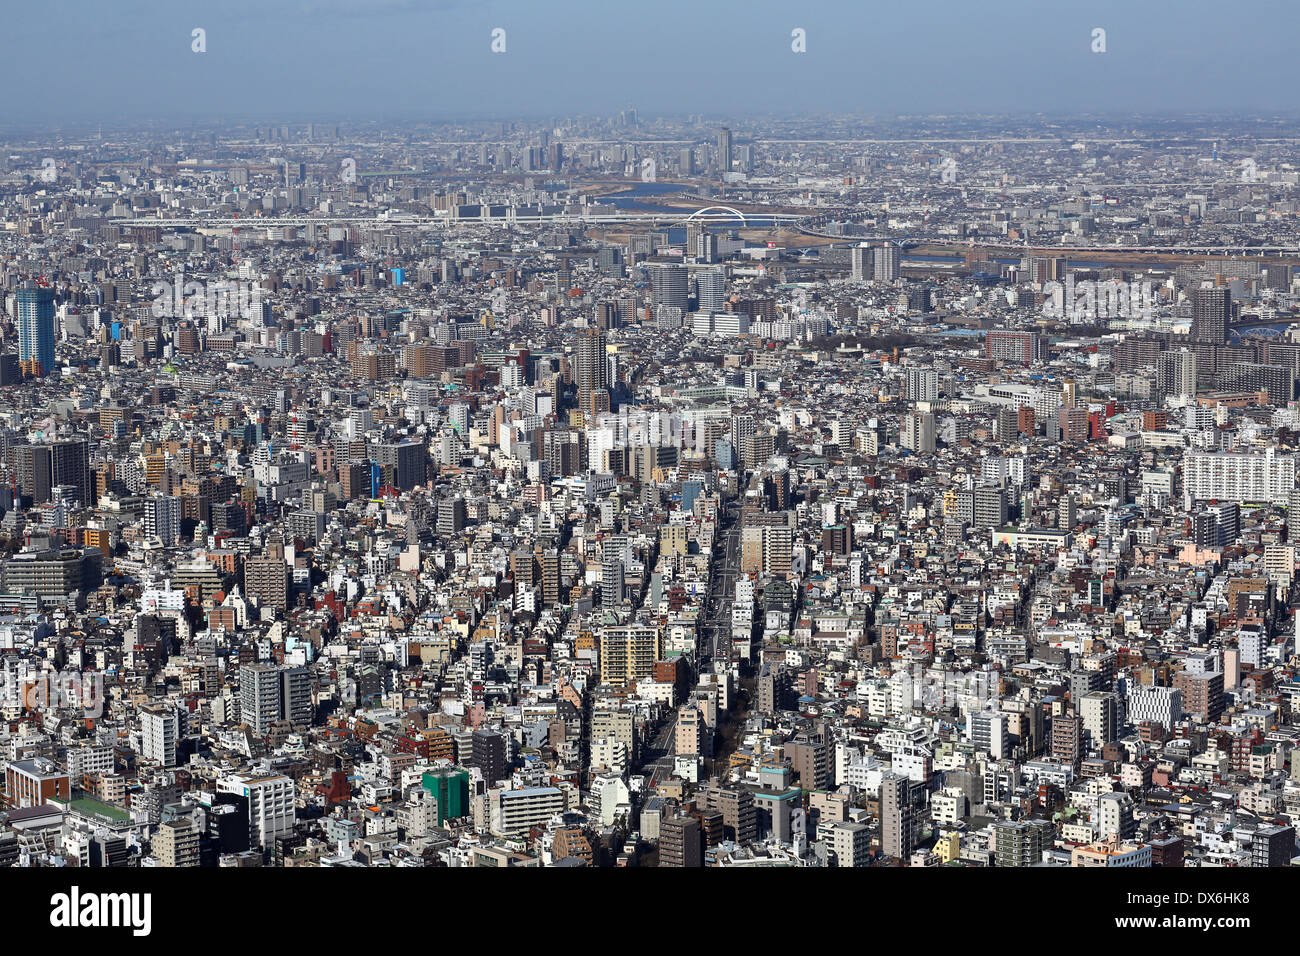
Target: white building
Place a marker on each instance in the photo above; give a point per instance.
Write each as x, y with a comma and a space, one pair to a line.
1228, 476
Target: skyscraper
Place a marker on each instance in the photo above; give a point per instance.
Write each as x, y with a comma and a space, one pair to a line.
724, 149
36, 328
711, 285
591, 372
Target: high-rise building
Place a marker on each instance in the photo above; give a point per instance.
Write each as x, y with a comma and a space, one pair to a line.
489, 754
885, 262
36, 328
711, 286
1272, 845
1067, 739
922, 385
1001, 345
159, 730
1238, 477
1177, 373
176, 843
917, 432
1021, 842
897, 817
591, 372
40, 469
669, 286
724, 149
272, 803
1211, 313
862, 263
680, 842
266, 578
628, 652
162, 519
269, 693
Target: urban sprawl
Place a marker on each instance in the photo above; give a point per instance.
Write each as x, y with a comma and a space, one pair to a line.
650, 491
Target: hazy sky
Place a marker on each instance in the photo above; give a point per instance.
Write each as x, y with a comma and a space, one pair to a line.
83, 59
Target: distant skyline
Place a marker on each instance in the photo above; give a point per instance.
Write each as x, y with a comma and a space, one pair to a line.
79, 60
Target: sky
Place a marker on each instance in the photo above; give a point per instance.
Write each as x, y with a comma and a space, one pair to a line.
67, 60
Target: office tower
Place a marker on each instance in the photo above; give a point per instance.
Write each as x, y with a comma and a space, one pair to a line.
724, 149
918, 432
403, 464
1211, 313
159, 731
489, 754
70, 465
686, 161
162, 519
669, 287
897, 819
1159, 705
272, 803
1177, 373
36, 328
885, 262
711, 284
680, 842
922, 385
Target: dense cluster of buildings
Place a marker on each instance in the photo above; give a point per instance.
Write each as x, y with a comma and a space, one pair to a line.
501, 507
